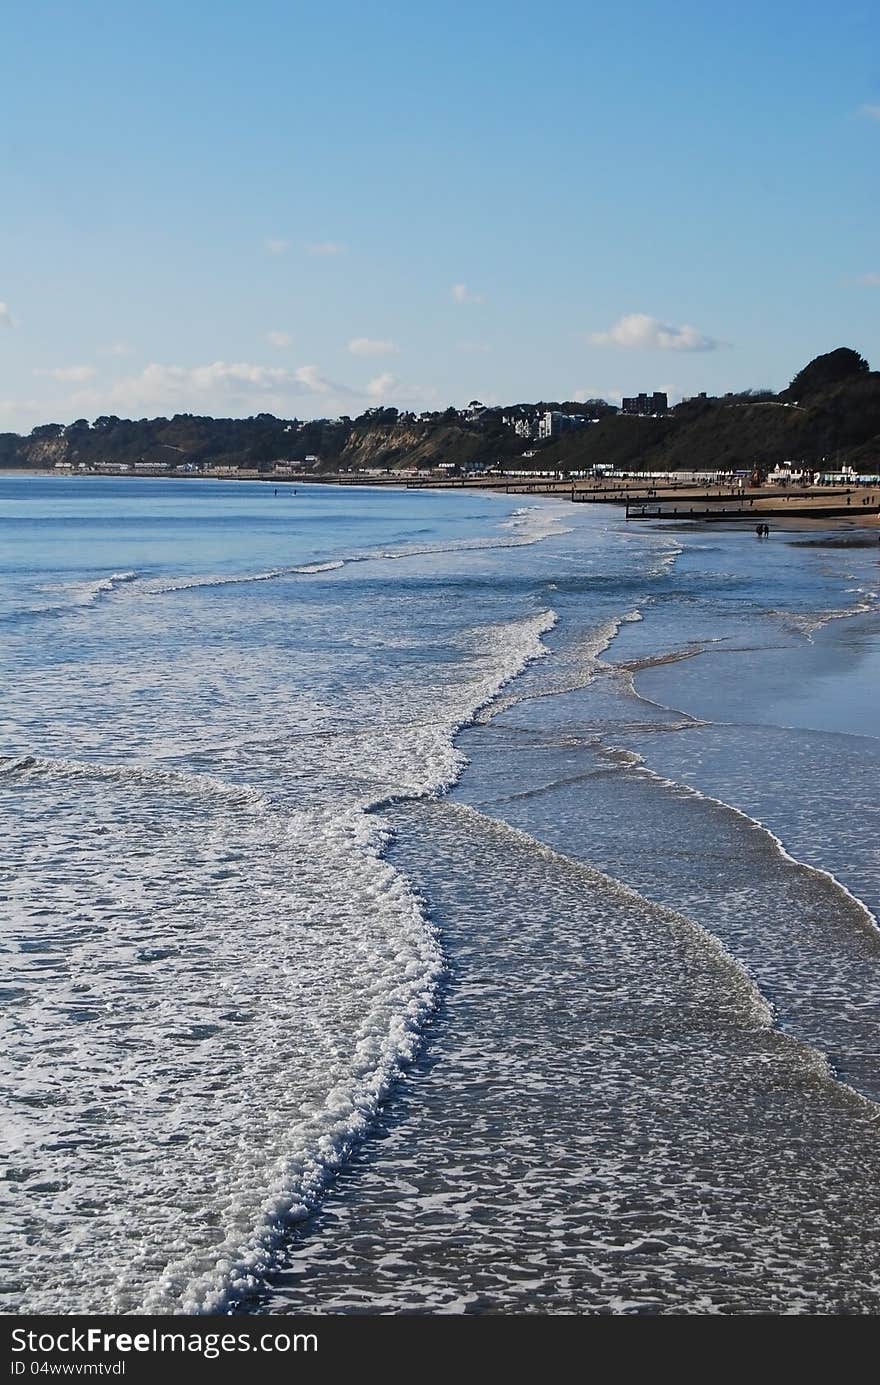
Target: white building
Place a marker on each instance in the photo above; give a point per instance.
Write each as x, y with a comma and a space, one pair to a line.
553, 422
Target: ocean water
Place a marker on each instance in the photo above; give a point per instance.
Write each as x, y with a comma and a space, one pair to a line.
426, 902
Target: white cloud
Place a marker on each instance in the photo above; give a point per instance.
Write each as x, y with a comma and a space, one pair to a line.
6, 318
462, 294
276, 245
206, 377
379, 388
312, 379
872, 112
324, 247
17, 408
70, 374
230, 388
870, 280
373, 346
610, 396
279, 339
117, 348
639, 332
218, 384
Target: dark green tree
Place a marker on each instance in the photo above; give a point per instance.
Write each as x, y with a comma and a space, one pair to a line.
824, 372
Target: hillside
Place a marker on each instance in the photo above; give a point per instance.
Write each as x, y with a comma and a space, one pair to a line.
830, 411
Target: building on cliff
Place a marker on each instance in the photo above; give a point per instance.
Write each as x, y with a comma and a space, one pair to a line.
646, 405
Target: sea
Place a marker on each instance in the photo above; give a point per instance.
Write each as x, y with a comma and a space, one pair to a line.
434, 902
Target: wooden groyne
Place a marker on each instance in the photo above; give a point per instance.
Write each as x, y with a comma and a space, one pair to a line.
845, 502
675, 500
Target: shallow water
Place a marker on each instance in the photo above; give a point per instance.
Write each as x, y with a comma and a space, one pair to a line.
576, 1037
606, 1120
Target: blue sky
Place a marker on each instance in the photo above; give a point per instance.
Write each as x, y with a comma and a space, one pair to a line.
225, 209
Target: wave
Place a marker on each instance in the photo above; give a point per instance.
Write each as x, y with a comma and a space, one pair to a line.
533, 524
448, 762
585, 665
91, 591
863, 913
139, 776
806, 623
349, 1112
759, 1009
308, 568
80, 597
685, 718
388, 1040
260, 1194
537, 524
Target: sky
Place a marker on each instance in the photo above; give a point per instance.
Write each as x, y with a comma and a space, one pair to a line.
309, 210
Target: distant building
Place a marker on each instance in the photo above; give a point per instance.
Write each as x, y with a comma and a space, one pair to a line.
523, 427
788, 473
552, 423
646, 405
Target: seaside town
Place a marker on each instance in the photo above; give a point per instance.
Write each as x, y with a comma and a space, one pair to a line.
811, 450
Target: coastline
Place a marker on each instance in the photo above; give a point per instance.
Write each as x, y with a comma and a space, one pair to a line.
593, 899
404, 1209
797, 519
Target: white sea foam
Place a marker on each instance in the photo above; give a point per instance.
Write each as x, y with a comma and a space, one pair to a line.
223, 965
638, 762
229, 984
862, 909
195, 583
806, 623
758, 1007
532, 526
576, 667
70, 597
85, 593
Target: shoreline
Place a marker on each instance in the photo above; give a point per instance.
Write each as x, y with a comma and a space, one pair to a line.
797, 519
530, 866
402, 1191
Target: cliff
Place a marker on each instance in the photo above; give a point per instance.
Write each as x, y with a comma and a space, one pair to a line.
830, 412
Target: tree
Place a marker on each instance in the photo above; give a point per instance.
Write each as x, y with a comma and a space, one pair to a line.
823, 372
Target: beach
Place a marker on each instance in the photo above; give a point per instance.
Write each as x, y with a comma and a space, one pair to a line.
437, 903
